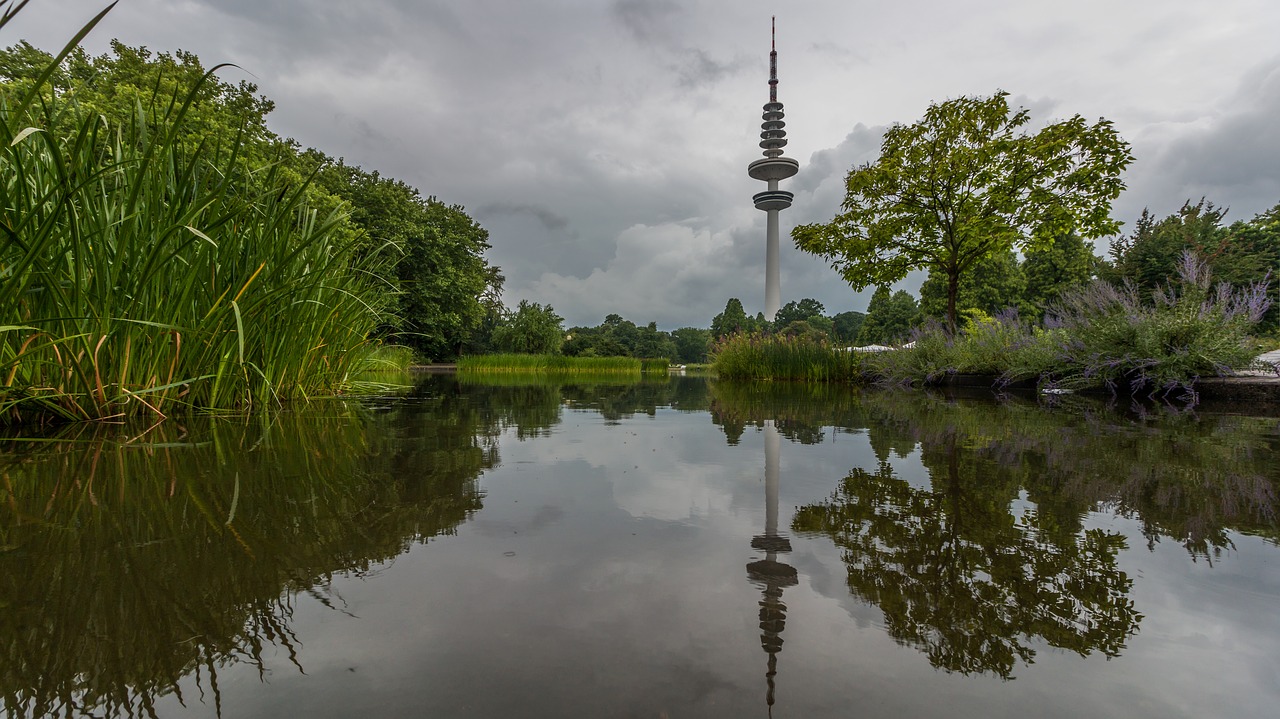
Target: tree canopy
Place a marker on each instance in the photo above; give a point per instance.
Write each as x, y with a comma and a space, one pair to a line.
531, 329
889, 317
994, 284
965, 182
1053, 269
795, 311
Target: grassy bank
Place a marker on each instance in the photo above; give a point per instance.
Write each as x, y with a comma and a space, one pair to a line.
139, 275
550, 364
1098, 336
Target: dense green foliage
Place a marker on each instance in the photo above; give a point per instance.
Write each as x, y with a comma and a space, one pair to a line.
446, 287
846, 326
734, 319
964, 183
994, 283
691, 344
141, 271
1099, 336
1239, 254
431, 253
1103, 336
889, 317
803, 310
618, 337
1051, 270
531, 329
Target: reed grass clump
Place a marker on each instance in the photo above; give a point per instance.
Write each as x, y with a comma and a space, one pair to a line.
779, 357
549, 364
139, 274
659, 365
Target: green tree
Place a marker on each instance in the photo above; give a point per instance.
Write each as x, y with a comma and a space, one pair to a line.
966, 182
889, 317
802, 310
652, 343
1239, 254
448, 290
1150, 255
733, 319
1051, 269
994, 284
846, 325
117, 85
691, 344
531, 329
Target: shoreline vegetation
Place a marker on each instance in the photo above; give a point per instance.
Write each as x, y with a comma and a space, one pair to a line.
558, 365
1098, 336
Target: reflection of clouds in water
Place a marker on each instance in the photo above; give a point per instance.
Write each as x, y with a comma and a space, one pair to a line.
646, 463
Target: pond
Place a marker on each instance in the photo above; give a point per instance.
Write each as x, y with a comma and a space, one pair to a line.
674, 548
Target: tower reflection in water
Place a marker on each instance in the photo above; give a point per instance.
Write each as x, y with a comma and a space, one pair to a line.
768, 573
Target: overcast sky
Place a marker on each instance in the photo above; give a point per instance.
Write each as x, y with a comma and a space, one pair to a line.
604, 143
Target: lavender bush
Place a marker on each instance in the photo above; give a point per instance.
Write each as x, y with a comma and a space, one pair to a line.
1191, 329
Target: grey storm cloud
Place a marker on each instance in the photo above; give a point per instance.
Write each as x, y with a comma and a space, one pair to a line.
1235, 160
548, 219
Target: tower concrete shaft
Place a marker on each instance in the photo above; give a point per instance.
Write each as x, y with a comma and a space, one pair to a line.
773, 168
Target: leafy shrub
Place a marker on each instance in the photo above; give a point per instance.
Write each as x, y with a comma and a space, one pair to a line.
1190, 329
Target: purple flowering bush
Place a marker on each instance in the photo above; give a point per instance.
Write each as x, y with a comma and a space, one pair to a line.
1190, 329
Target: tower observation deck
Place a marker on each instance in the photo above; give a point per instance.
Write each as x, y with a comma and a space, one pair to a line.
773, 168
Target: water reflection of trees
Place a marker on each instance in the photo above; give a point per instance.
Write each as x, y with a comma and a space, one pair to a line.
800, 411
1190, 478
129, 563
974, 584
961, 578
532, 404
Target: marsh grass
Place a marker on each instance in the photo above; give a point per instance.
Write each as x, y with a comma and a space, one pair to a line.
550, 364
778, 357
139, 275
659, 365
391, 358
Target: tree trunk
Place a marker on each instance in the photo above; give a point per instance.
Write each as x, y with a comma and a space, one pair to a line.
953, 289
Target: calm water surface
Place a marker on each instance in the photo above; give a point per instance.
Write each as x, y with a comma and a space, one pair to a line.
661, 549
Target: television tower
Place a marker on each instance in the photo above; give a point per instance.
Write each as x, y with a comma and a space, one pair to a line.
771, 169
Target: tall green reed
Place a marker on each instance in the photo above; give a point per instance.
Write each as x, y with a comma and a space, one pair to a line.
552, 364
780, 357
139, 273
